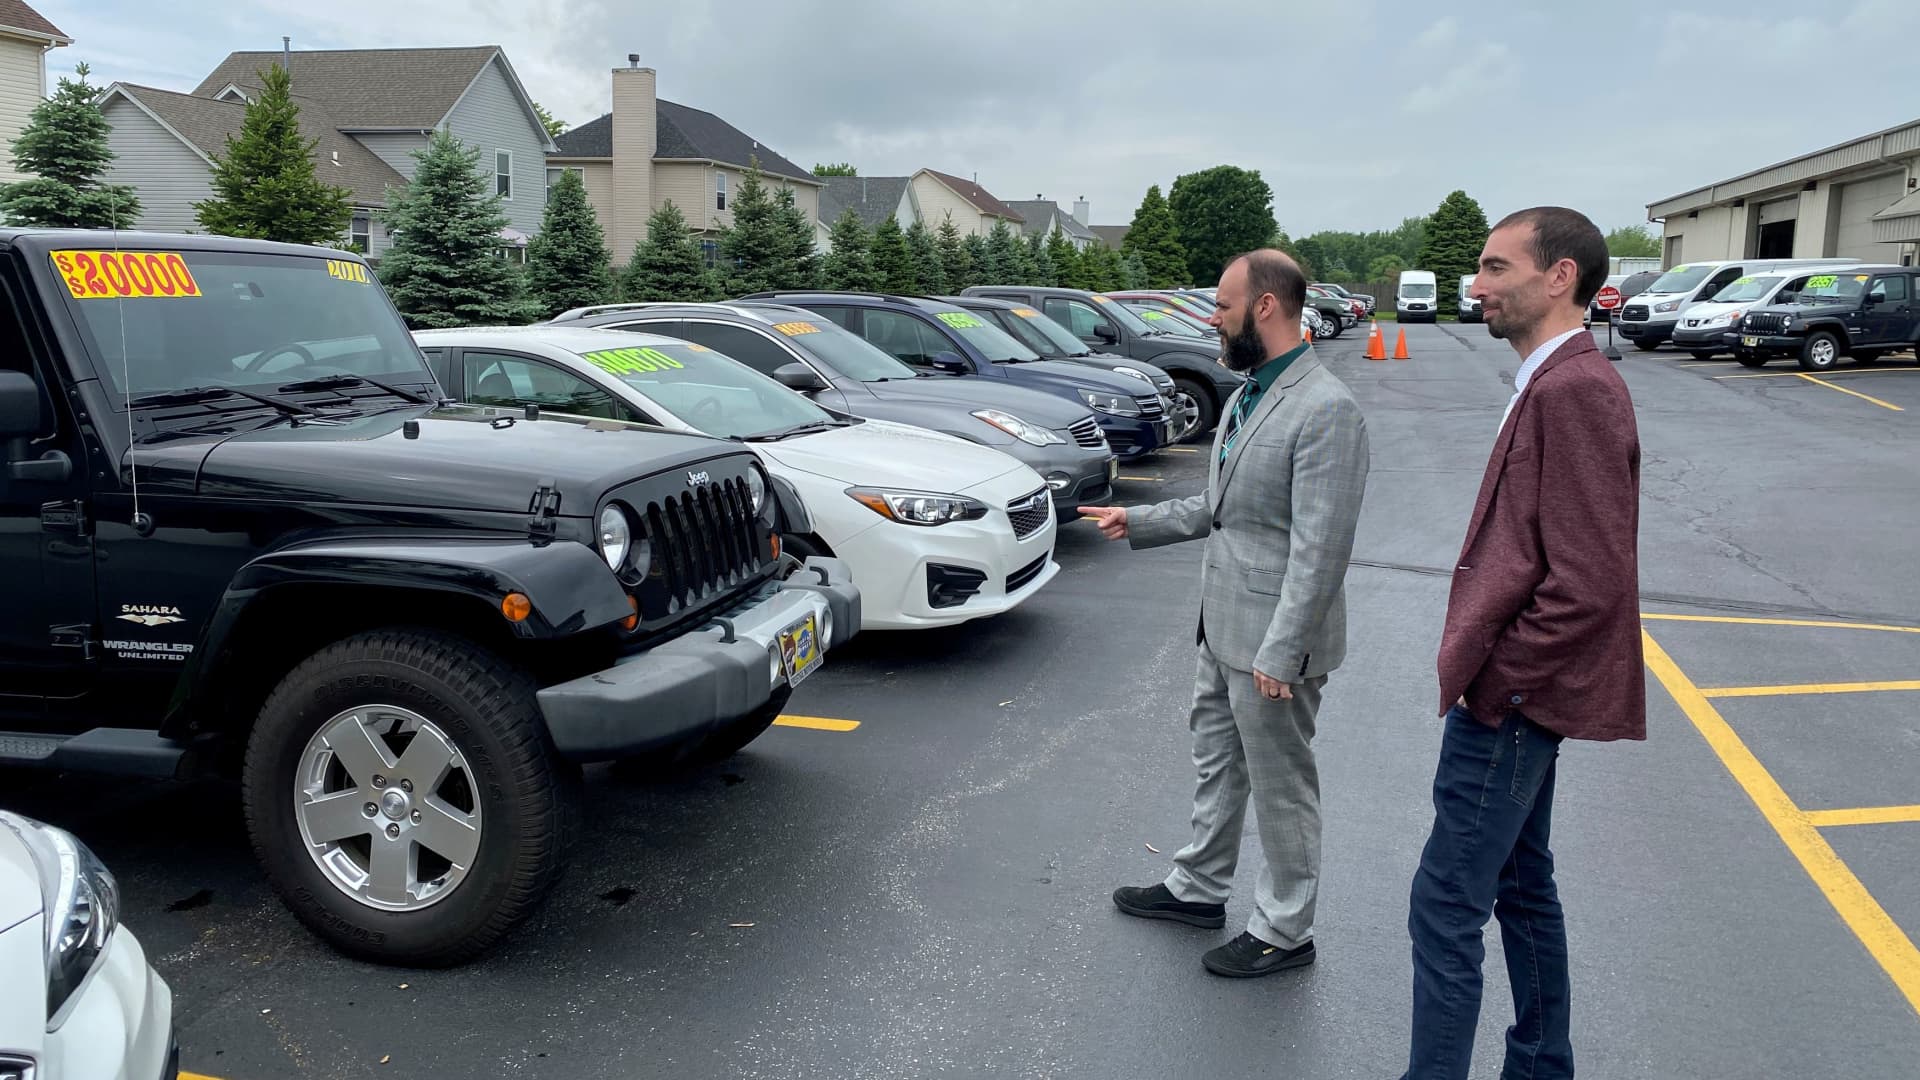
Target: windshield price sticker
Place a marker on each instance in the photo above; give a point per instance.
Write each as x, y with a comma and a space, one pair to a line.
1860, 277
1821, 281
348, 270
960, 320
1026, 313
795, 329
1102, 300
104, 275
643, 360
1152, 315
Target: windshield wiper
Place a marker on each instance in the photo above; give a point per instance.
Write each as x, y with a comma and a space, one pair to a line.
797, 429
341, 382
194, 395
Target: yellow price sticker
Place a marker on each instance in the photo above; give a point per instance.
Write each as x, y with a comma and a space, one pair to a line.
1860, 277
795, 329
959, 320
1026, 313
1103, 300
640, 361
348, 270
694, 346
106, 275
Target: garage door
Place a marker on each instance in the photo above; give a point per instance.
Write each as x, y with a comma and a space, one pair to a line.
1859, 201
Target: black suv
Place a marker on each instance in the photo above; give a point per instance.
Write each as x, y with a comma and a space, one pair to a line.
1202, 382
248, 537
1861, 311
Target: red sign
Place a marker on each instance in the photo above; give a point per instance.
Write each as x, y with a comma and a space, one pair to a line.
1607, 298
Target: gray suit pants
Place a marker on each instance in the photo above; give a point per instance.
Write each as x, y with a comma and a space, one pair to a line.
1245, 744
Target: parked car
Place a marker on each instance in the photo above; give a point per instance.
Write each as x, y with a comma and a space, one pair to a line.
401, 622
1648, 320
1416, 297
1162, 317
1863, 312
1338, 312
1055, 342
1199, 307
1709, 329
1106, 325
936, 530
1629, 286
80, 1001
841, 371
1469, 310
1341, 291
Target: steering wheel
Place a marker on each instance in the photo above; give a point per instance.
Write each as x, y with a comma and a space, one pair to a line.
706, 414
260, 358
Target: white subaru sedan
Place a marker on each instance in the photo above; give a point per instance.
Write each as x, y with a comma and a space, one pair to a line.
936, 530
79, 1001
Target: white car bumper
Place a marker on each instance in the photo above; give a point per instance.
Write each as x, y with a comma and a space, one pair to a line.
896, 565
121, 1026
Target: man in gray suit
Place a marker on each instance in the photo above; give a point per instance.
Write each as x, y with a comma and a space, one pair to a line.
1284, 486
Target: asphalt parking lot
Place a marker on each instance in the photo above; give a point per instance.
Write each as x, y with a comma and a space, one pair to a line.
911, 877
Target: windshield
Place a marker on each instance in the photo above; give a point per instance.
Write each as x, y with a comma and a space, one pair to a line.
994, 343
841, 349
1199, 304
1680, 279
225, 319
1043, 335
1161, 319
1833, 288
1746, 288
710, 391
1121, 314
1417, 292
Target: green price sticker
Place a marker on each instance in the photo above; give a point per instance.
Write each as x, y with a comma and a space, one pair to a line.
1152, 315
644, 360
960, 320
1821, 281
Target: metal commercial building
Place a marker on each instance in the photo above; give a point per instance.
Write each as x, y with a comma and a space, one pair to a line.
1859, 200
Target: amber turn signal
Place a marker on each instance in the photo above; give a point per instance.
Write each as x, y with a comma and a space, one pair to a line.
775, 538
516, 607
632, 621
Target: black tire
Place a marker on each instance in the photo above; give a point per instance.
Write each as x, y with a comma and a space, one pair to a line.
1208, 410
1747, 360
1821, 352
1339, 327
526, 796
1646, 346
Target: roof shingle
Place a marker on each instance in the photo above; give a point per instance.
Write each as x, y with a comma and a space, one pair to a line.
872, 199
410, 89
16, 15
683, 132
206, 123
977, 195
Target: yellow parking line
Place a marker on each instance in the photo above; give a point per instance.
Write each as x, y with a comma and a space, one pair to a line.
815, 723
1144, 479
196, 1076
1815, 623
1181, 450
1842, 371
1869, 922
1806, 688
1854, 393
1863, 815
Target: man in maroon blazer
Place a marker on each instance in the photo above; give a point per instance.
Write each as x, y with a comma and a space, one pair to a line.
1542, 644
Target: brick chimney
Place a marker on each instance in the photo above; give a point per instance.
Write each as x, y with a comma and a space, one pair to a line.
635, 138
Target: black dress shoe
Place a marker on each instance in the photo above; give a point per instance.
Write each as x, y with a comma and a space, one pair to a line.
1247, 956
1157, 902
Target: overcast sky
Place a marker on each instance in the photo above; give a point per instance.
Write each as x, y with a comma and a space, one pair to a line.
1358, 113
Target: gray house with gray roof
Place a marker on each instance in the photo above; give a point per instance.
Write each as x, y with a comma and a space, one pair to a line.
370, 110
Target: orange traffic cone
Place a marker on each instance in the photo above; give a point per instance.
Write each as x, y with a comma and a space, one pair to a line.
1309, 334
1376, 345
1400, 346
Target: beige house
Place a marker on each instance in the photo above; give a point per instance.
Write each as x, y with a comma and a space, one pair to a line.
25, 39
648, 152
938, 195
928, 197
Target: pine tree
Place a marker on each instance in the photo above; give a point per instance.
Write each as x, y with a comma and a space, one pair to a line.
264, 185
444, 268
64, 149
1003, 256
892, 269
979, 266
1455, 234
1044, 274
1103, 269
667, 265
1133, 272
953, 255
1065, 259
1155, 237
800, 269
924, 252
568, 265
754, 246
849, 264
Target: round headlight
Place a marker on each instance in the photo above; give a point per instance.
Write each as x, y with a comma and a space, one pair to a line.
616, 534
757, 488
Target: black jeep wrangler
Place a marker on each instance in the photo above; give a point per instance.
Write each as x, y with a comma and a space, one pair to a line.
245, 534
1863, 311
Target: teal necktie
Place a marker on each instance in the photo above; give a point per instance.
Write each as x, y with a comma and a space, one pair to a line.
1241, 410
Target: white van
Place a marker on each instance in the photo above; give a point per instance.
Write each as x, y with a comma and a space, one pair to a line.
1417, 299
1706, 330
1469, 307
1650, 318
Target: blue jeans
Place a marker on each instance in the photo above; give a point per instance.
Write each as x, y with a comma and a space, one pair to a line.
1487, 855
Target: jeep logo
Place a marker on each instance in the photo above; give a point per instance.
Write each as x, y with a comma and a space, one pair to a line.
695, 479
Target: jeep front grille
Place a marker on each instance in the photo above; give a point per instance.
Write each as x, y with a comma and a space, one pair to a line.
1765, 323
1086, 432
702, 543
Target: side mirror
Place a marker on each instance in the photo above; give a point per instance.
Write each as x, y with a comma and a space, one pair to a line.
1875, 300
950, 361
799, 377
19, 405
1105, 335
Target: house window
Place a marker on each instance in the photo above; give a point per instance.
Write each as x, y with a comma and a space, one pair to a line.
710, 251
503, 173
362, 234
555, 172
720, 191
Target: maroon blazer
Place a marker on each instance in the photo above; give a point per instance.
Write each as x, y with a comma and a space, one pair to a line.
1544, 615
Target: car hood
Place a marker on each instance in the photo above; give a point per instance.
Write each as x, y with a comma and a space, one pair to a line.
1713, 310
982, 392
876, 453
1208, 348
453, 457
1070, 375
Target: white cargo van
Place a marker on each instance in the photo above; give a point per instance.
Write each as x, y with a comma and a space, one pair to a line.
1649, 319
1417, 298
1706, 330
1469, 307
